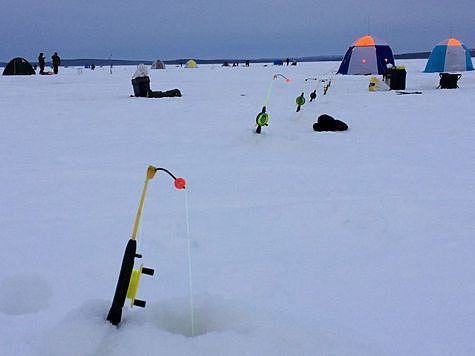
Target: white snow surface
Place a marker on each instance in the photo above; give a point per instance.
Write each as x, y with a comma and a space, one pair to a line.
302, 243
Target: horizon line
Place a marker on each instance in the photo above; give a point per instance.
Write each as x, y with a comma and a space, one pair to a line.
313, 58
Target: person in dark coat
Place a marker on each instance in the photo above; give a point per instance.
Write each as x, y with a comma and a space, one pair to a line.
41, 62
56, 62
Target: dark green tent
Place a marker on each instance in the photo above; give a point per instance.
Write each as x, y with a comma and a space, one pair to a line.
18, 66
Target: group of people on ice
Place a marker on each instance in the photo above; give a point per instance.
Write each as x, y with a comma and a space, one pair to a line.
55, 62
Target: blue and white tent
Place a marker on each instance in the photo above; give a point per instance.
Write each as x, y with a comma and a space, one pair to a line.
449, 56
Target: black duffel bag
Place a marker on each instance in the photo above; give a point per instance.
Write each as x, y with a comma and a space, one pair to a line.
327, 123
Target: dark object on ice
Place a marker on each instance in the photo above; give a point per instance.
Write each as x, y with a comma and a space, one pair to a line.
396, 76
448, 80
18, 66
141, 87
408, 92
164, 94
327, 123
313, 95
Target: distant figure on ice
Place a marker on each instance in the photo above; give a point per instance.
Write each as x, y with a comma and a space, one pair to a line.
56, 62
247, 62
287, 61
41, 63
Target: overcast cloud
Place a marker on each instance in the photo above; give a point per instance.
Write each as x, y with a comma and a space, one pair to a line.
167, 29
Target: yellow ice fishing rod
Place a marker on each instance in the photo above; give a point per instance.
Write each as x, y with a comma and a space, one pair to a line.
129, 278
326, 86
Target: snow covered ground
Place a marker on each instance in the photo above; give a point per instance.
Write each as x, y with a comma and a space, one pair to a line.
302, 243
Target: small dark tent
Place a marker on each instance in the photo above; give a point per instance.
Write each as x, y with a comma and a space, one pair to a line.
158, 64
278, 62
18, 66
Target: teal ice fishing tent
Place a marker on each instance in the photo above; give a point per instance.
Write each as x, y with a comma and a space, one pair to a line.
449, 56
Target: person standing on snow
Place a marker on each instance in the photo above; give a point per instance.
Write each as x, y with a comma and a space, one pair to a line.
41, 63
56, 62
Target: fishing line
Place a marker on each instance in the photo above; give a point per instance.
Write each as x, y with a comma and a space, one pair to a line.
262, 118
269, 90
190, 266
271, 84
313, 94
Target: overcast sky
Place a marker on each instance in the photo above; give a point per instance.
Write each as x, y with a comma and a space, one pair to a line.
169, 29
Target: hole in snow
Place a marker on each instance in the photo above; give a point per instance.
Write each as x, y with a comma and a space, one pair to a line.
210, 315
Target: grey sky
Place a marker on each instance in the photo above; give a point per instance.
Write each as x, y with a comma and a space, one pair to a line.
169, 29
